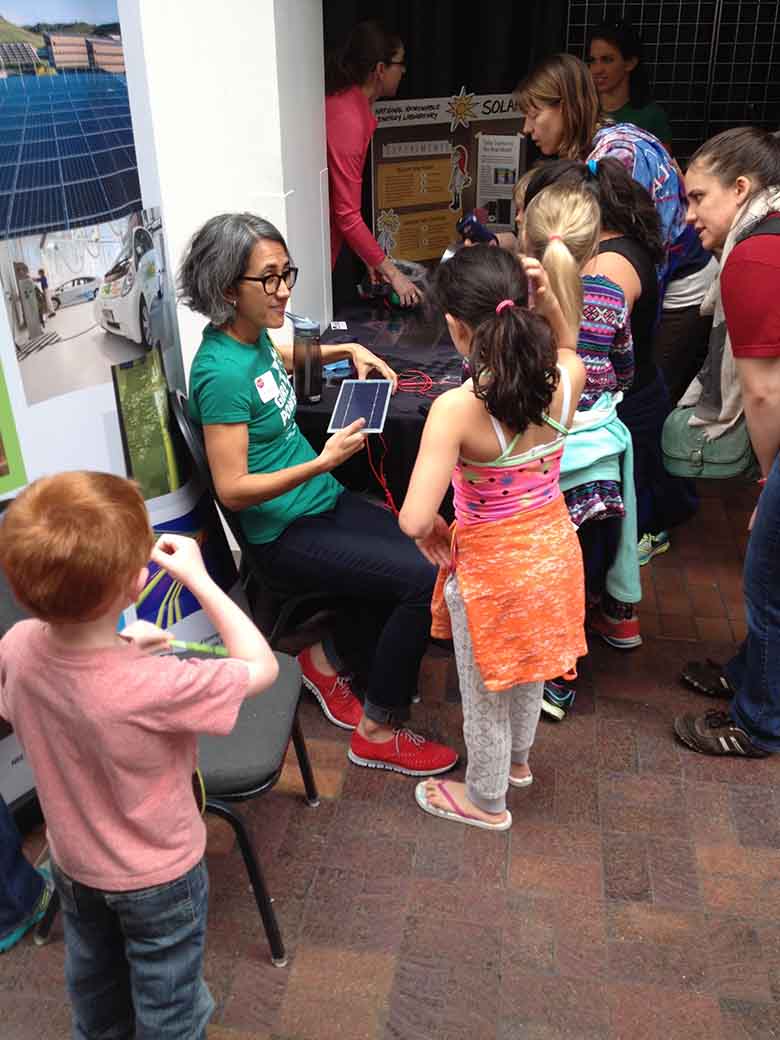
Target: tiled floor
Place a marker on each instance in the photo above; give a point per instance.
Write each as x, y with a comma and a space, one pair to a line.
636, 896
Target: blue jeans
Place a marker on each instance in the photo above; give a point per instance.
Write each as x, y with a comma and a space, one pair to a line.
20, 884
755, 671
357, 552
134, 960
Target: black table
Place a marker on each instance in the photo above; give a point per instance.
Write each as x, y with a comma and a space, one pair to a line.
405, 340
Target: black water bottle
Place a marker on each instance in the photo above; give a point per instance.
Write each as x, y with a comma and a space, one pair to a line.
307, 361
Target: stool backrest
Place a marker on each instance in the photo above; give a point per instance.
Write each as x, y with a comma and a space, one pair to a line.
192, 435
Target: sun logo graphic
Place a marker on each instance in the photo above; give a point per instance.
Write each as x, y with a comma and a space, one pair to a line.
461, 108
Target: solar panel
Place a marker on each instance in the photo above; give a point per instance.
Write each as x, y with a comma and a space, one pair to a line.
38, 209
79, 168
69, 129
105, 162
39, 175
85, 198
67, 156
115, 190
73, 146
361, 399
36, 151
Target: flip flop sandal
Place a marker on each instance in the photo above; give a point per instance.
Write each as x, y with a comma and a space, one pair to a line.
457, 814
707, 677
525, 782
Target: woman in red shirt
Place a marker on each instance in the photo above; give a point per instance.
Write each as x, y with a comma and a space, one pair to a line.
733, 184
370, 66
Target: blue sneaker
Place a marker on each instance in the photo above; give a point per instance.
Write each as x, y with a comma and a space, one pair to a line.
12, 938
651, 545
557, 699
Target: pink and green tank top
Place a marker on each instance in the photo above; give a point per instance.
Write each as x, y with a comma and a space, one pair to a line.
511, 484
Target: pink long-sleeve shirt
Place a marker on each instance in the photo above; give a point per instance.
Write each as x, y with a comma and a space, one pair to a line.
350, 124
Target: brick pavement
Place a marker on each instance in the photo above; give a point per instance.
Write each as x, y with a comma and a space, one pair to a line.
636, 896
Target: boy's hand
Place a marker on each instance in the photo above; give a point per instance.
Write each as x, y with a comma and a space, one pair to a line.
147, 637
180, 557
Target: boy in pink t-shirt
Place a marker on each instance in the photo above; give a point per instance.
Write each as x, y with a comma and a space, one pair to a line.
111, 735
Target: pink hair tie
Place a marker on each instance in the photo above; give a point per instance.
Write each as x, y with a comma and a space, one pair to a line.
555, 238
504, 304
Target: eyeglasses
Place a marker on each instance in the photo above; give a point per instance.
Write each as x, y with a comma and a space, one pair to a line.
271, 282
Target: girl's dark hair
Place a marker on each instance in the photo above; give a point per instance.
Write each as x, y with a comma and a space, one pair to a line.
513, 354
625, 206
621, 34
745, 151
351, 65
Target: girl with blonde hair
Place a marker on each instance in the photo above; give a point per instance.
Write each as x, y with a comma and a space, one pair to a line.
562, 228
563, 116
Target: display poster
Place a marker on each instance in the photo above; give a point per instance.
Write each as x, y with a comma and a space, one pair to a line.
498, 158
89, 346
436, 159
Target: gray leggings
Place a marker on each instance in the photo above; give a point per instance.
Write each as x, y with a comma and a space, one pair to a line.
498, 728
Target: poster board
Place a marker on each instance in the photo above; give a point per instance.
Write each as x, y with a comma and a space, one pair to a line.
435, 159
89, 342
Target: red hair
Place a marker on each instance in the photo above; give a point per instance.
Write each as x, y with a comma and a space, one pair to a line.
72, 544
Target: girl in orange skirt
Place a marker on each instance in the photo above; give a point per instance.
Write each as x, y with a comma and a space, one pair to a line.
510, 587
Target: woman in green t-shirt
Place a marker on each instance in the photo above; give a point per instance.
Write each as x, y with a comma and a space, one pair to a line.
302, 528
620, 76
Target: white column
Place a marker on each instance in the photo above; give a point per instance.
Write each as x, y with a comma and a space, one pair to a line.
228, 115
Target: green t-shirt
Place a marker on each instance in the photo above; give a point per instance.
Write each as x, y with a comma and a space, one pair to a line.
650, 117
231, 382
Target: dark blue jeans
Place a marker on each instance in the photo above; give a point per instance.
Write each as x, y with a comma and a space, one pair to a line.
134, 960
755, 671
357, 552
20, 884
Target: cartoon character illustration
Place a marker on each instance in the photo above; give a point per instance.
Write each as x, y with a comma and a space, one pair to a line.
459, 175
388, 224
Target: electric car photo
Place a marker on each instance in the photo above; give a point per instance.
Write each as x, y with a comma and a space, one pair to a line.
124, 301
77, 290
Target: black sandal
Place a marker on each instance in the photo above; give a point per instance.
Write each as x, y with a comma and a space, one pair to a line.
707, 677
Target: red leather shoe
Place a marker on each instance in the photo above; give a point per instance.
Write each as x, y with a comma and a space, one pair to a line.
335, 696
404, 752
622, 633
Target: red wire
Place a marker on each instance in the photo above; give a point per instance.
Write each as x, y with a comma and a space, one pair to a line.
413, 381
410, 381
379, 473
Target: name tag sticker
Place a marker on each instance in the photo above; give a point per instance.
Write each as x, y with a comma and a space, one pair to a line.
339, 326
266, 387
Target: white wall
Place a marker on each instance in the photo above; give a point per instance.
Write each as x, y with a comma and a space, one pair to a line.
236, 121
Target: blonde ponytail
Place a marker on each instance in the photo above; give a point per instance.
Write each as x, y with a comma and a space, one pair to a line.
562, 228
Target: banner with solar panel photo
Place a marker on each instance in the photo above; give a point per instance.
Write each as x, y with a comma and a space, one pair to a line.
92, 348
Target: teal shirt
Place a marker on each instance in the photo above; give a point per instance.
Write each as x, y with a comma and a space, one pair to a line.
650, 117
231, 382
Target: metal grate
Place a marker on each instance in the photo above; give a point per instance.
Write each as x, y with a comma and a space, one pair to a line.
713, 65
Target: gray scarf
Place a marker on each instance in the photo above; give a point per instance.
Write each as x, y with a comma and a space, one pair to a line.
715, 391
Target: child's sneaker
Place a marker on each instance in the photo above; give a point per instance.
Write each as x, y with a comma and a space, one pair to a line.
24, 926
622, 633
338, 702
651, 545
557, 699
404, 752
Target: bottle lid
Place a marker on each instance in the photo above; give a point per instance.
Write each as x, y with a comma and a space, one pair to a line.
302, 324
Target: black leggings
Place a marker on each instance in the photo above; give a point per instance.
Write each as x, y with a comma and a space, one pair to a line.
357, 553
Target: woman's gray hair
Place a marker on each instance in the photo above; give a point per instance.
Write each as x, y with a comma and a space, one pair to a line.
216, 258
